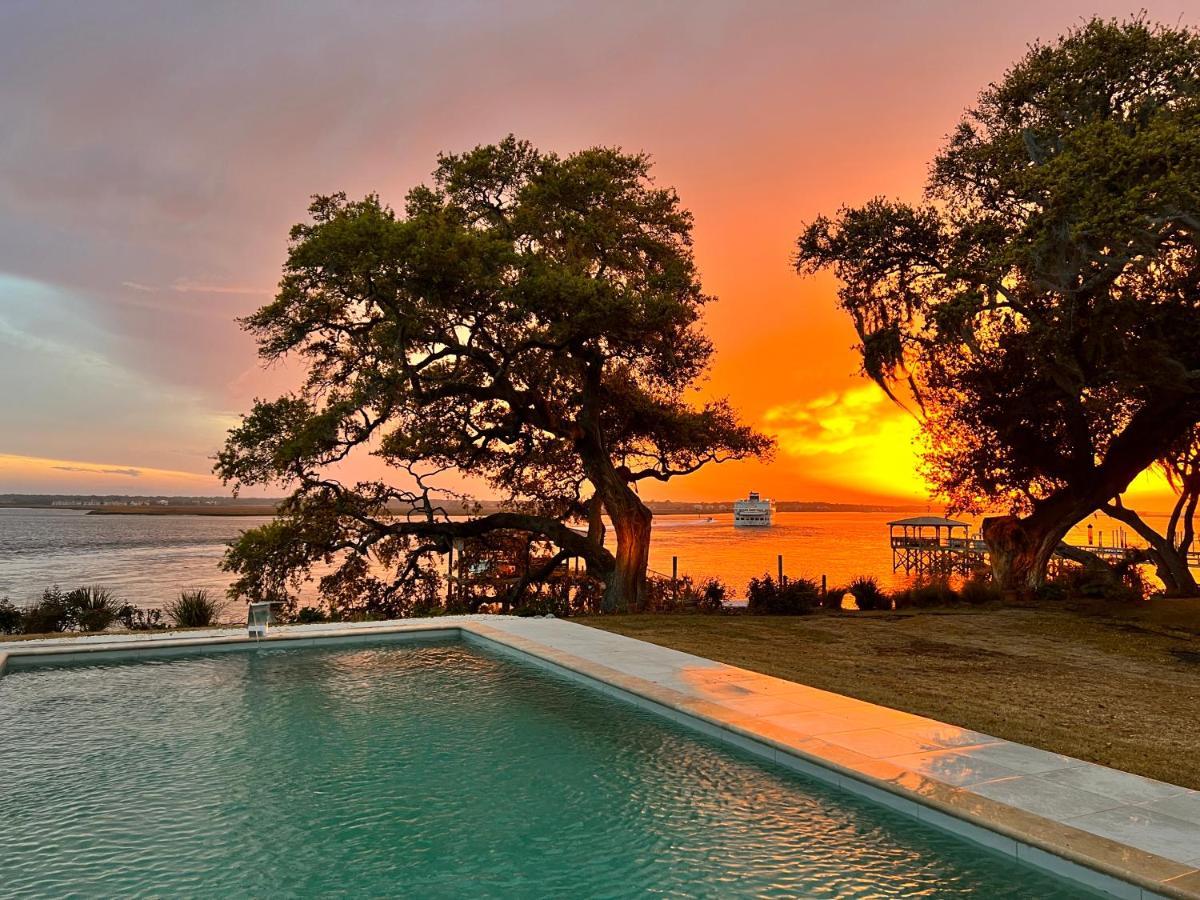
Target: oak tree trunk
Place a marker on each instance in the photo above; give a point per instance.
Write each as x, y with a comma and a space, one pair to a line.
626, 587
1020, 550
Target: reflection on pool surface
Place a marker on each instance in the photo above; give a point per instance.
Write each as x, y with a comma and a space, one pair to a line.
423, 770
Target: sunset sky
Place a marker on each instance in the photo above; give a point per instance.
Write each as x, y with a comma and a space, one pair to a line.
153, 157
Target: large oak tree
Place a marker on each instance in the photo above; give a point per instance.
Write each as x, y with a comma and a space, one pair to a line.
1170, 548
1040, 311
529, 319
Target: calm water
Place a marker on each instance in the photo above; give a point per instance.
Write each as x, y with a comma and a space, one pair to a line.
148, 559
427, 770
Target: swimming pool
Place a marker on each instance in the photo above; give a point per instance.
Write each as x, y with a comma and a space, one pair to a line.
425, 769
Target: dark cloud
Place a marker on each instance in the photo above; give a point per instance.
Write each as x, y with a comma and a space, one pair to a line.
91, 470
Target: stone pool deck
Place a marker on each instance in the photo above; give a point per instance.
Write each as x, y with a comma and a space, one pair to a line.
1121, 834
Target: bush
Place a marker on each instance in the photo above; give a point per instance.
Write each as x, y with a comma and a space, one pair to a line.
711, 595
833, 597
1121, 583
927, 593
1052, 592
134, 619
195, 609
685, 595
765, 596
309, 615
980, 589
49, 615
92, 608
10, 617
868, 595
543, 603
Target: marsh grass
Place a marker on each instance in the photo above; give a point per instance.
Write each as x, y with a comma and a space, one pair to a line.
927, 593
868, 595
195, 609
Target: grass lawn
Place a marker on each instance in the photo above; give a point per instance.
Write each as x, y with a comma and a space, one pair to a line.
1110, 684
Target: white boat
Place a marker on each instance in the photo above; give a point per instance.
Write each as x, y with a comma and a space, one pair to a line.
754, 511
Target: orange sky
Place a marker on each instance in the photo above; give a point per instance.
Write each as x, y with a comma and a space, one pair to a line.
154, 159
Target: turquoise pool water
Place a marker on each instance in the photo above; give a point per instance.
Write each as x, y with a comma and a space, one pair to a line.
428, 770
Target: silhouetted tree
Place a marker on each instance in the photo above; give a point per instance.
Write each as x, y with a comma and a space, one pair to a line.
1169, 549
528, 319
1039, 311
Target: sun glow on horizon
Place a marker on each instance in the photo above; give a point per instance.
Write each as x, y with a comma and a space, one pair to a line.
52, 476
856, 431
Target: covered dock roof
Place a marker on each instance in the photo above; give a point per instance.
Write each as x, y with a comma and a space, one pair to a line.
930, 522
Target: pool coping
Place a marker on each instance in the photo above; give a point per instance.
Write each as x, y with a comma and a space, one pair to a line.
1075, 853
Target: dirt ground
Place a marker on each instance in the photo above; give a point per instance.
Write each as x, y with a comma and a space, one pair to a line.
1111, 684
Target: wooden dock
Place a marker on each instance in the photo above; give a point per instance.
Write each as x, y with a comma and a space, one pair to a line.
932, 545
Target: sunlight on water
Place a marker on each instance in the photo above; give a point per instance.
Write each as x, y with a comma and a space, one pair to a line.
427, 770
148, 559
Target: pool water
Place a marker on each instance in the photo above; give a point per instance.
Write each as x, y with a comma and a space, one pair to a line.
430, 770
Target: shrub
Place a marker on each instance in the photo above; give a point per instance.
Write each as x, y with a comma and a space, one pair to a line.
711, 595
92, 608
134, 619
980, 589
10, 617
685, 595
309, 615
868, 595
544, 603
1052, 592
195, 609
49, 615
661, 593
795, 597
1121, 583
927, 593
1134, 587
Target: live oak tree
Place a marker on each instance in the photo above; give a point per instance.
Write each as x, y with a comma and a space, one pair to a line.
1169, 549
530, 319
1039, 311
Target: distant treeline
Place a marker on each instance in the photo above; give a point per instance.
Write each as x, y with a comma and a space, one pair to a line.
89, 501
145, 505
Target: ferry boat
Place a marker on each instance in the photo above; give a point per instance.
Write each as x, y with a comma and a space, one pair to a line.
754, 511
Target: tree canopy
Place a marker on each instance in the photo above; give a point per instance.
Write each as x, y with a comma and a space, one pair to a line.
530, 319
1038, 311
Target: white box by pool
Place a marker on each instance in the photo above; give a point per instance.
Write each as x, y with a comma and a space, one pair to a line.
480, 756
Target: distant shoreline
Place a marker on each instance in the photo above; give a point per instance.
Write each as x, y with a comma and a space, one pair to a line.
271, 510
201, 506
180, 510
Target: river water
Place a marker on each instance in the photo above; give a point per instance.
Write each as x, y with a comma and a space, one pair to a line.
147, 560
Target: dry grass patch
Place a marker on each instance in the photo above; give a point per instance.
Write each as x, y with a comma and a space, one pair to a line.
1113, 685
